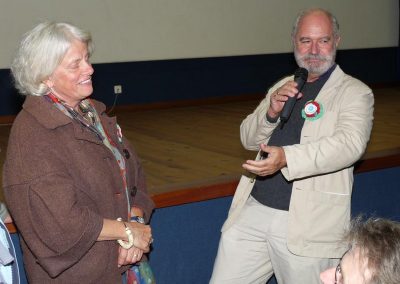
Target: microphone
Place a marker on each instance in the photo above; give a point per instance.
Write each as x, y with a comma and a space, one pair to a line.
300, 77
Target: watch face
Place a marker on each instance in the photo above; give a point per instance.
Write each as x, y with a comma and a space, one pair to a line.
137, 219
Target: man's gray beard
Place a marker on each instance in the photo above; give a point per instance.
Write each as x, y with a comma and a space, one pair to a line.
327, 63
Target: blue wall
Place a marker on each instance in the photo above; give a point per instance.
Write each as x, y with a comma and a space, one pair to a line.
185, 79
187, 236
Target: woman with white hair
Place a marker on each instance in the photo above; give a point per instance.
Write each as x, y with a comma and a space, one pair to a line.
73, 184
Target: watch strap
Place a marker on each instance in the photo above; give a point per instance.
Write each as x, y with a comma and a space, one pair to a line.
137, 219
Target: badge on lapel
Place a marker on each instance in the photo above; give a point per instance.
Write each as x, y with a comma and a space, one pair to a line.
312, 110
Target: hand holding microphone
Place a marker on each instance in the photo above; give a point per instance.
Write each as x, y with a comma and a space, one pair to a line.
300, 77
282, 97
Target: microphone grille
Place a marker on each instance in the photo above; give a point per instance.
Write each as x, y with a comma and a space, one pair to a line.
301, 73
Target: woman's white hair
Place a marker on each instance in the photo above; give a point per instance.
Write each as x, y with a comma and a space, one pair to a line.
40, 52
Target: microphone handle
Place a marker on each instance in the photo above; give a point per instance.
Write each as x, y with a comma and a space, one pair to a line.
300, 77
288, 107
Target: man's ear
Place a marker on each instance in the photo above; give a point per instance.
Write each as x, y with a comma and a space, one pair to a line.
337, 41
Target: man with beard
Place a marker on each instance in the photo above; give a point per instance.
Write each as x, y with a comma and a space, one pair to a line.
291, 219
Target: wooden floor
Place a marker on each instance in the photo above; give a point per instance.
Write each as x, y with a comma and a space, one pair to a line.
187, 149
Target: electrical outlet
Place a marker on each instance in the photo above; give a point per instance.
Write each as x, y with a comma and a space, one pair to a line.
117, 89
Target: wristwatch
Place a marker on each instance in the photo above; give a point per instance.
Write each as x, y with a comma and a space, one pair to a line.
137, 219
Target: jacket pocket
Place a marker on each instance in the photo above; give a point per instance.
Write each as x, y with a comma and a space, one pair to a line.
329, 214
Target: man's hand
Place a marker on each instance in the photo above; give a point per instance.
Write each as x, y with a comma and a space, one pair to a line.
280, 96
275, 161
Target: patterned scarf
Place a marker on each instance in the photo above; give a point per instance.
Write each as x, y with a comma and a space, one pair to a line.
89, 118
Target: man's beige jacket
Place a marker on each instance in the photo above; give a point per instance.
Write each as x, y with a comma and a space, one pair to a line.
321, 166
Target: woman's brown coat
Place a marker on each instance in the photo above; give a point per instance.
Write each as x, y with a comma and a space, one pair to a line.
60, 181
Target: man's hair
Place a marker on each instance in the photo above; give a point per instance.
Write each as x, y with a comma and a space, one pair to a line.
334, 21
40, 52
379, 243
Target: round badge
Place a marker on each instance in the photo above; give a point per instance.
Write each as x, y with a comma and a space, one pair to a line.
312, 110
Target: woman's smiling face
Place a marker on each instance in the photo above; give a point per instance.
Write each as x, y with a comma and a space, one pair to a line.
71, 81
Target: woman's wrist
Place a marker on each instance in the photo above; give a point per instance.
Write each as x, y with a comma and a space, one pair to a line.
129, 236
113, 230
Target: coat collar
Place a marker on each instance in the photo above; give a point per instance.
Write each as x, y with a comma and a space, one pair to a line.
48, 115
332, 82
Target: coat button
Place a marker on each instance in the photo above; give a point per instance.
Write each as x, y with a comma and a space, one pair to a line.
133, 191
126, 154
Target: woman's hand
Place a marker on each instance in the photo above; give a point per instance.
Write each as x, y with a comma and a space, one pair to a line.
129, 256
142, 237
115, 230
